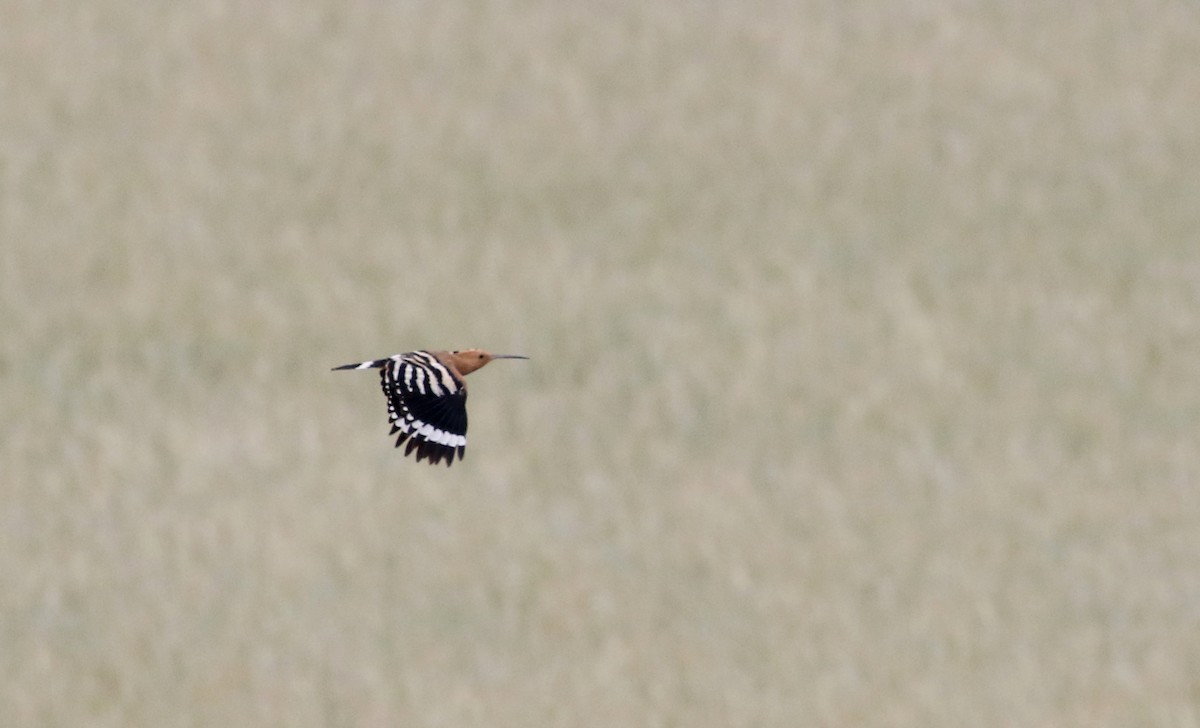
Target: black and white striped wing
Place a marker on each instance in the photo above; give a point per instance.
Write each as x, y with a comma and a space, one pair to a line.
427, 405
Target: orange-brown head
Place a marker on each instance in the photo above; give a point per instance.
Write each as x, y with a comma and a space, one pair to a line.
468, 360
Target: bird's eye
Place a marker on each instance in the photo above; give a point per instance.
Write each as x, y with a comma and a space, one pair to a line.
481, 356
454, 352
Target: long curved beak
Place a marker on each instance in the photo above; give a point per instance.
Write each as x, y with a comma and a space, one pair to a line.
508, 356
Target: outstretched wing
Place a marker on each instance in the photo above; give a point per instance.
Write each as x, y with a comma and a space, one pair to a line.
427, 406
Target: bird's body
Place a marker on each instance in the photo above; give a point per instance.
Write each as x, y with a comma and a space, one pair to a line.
427, 398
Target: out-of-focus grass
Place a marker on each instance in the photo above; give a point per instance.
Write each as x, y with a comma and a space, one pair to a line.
863, 391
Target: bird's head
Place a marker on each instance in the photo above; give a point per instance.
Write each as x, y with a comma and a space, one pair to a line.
468, 360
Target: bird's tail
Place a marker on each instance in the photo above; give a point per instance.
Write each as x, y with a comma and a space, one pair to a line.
363, 365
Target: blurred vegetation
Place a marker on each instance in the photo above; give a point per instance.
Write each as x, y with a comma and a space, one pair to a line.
863, 387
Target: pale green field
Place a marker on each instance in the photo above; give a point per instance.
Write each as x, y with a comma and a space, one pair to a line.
865, 386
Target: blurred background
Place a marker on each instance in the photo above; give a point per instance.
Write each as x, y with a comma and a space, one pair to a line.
863, 387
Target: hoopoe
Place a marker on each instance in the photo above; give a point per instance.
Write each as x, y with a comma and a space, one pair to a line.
427, 398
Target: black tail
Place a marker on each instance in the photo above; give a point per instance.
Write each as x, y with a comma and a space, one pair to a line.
363, 365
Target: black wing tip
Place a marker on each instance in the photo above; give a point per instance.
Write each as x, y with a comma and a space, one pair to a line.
425, 450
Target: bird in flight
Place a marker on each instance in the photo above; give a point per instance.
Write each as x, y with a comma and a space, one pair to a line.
427, 398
